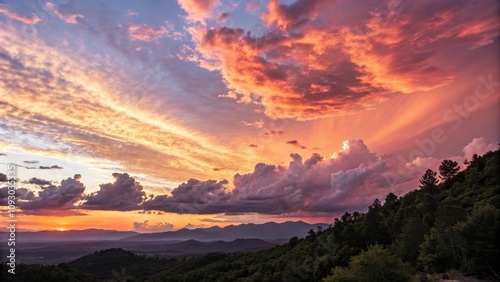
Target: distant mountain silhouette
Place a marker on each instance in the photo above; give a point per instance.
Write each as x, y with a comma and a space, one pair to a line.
71, 235
266, 231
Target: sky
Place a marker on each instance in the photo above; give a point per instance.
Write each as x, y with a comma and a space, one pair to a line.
160, 115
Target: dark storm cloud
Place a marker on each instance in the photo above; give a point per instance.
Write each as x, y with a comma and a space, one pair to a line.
123, 194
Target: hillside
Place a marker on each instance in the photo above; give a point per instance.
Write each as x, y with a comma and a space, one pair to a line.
445, 228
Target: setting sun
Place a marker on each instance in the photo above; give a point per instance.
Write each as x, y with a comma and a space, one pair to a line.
61, 229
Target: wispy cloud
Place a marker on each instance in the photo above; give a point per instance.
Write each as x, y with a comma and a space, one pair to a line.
295, 143
143, 32
72, 18
6, 11
257, 123
105, 123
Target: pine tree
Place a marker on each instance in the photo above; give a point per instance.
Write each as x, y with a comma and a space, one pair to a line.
448, 169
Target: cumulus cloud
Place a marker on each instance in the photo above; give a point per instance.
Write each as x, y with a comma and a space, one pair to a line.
478, 146
158, 227
123, 194
312, 61
21, 193
350, 180
61, 197
198, 10
6, 11
144, 32
195, 196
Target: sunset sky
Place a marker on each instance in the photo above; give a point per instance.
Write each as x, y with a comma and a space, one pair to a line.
159, 115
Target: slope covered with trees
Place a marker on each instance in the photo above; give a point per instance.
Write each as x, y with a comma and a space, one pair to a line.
447, 224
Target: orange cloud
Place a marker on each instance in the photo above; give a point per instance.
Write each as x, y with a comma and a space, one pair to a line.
94, 113
308, 65
198, 10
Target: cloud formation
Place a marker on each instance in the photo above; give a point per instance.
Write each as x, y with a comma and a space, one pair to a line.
72, 18
258, 123
296, 144
105, 124
198, 10
50, 167
144, 227
38, 181
313, 61
22, 194
144, 32
478, 146
123, 194
60, 197
350, 180
195, 196
6, 11
273, 132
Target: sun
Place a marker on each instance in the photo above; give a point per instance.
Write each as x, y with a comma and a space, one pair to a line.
61, 229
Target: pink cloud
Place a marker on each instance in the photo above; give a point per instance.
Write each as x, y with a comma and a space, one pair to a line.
72, 19
4, 9
143, 32
198, 10
478, 146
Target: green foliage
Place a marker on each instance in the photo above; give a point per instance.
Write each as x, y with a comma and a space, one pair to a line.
34, 272
375, 264
480, 239
448, 169
429, 180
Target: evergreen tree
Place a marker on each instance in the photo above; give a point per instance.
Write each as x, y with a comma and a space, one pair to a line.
448, 169
429, 179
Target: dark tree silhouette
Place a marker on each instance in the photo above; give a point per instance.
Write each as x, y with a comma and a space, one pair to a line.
429, 179
448, 169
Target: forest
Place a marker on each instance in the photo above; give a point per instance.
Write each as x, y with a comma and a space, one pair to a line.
449, 225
